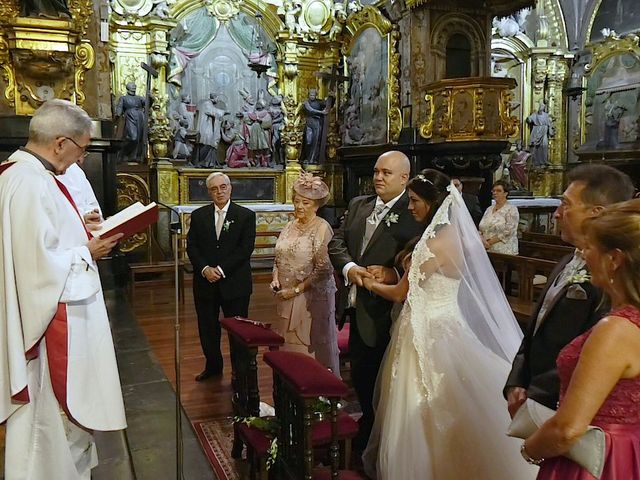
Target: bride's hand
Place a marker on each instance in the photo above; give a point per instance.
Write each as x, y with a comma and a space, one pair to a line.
368, 283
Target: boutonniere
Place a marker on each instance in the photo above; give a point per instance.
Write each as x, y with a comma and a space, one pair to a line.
391, 218
226, 225
580, 276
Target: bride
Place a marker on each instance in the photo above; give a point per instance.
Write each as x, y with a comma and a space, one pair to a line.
440, 414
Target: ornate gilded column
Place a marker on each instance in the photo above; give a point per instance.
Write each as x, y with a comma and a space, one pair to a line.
43, 58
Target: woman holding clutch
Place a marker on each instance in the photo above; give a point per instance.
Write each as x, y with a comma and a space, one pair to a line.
303, 277
600, 370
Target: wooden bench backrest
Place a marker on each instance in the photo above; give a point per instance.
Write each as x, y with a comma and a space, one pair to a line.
544, 238
545, 251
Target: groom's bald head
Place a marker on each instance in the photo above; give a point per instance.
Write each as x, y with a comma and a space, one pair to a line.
391, 174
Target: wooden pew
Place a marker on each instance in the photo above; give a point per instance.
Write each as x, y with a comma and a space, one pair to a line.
544, 238
522, 298
545, 251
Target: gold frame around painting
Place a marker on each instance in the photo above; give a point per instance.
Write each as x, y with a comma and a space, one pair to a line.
370, 17
601, 52
277, 176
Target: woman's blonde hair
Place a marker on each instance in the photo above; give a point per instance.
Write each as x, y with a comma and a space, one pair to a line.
618, 227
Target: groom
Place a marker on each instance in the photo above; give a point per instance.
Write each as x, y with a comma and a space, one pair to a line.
375, 229
570, 304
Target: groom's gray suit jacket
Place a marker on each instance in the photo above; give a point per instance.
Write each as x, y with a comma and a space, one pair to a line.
372, 312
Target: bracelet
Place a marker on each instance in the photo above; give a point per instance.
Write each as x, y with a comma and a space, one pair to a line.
525, 455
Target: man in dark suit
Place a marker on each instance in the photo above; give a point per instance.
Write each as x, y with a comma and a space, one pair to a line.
219, 244
471, 201
569, 305
374, 230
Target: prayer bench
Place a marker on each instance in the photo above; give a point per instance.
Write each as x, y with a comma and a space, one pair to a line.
245, 337
522, 300
298, 381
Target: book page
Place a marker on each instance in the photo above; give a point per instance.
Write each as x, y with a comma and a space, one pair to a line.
121, 217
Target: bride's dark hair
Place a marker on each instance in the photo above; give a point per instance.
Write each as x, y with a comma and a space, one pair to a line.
431, 186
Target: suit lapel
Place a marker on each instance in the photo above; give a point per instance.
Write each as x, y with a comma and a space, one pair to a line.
398, 209
229, 217
209, 223
360, 223
552, 303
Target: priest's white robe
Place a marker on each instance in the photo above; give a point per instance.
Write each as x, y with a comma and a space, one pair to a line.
46, 365
80, 189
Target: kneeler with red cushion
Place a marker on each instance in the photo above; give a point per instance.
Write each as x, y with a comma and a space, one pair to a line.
245, 337
298, 381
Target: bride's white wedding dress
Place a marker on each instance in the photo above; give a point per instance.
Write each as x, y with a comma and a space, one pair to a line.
440, 414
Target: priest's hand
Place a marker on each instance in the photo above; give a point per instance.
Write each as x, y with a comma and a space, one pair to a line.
99, 247
92, 220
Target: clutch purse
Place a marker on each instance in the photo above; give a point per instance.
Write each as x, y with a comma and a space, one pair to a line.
588, 451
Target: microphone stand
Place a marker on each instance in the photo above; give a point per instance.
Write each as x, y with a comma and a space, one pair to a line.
176, 230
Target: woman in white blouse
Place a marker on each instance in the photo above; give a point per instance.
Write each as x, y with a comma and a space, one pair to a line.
499, 224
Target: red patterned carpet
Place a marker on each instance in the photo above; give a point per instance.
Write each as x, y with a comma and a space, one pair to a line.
216, 437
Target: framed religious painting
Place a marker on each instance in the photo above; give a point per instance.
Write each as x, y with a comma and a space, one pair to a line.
371, 113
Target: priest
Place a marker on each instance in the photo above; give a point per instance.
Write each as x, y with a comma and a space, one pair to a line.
58, 374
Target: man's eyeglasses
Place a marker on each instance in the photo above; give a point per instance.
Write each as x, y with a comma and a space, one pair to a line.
84, 149
222, 188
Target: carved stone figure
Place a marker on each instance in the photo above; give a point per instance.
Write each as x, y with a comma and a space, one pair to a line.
277, 120
542, 129
249, 104
184, 110
181, 146
160, 9
518, 167
340, 18
44, 8
290, 10
131, 107
614, 112
258, 132
315, 110
237, 152
209, 120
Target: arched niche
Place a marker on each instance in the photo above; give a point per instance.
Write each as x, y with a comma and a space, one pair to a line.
209, 51
445, 30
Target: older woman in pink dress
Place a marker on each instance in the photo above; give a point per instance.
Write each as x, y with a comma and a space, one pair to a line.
303, 277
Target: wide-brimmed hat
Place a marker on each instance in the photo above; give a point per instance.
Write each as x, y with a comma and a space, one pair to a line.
311, 187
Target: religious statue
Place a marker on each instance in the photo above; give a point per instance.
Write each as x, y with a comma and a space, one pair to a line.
542, 129
237, 152
290, 10
209, 119
340, 18
44, 8
181, 147
258, 132
131, 107
316, 111
160, 9
277, 120
613, 113
185, 111
518, 167
249, 102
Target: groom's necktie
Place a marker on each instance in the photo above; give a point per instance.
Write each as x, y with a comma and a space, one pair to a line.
372, 223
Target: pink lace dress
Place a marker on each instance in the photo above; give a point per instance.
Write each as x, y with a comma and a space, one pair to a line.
307, 321
619, 417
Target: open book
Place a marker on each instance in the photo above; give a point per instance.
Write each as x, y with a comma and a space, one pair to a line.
129, 221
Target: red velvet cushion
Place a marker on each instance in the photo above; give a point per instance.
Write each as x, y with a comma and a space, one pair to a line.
324, 473
343, 339
250, 334
256, 438
321, 433
307, 376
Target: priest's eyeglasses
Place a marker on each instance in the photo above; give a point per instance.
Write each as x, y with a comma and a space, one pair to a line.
84, 149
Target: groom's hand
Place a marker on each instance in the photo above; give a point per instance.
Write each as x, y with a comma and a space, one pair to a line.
356, 275
516, 396
383, 274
